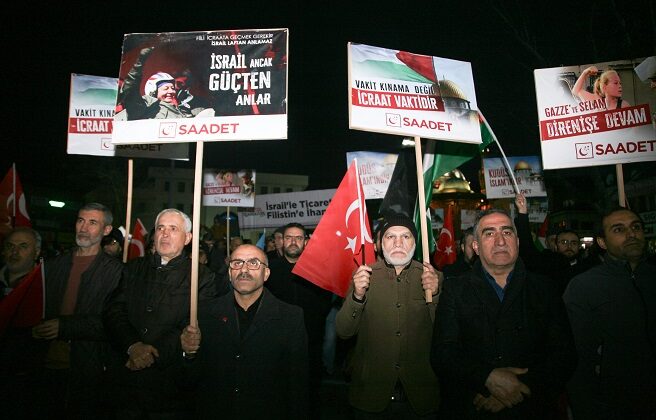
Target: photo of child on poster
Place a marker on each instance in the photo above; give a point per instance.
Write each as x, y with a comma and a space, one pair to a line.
228, 187
202, 74
595, 114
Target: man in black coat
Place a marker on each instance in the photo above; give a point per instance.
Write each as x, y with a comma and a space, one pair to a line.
502, 344
145, 317
315, 302
251, 362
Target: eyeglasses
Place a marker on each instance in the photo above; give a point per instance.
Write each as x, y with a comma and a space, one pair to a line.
252, 264
569, 242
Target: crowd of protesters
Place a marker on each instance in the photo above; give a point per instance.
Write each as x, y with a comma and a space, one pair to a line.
512, 332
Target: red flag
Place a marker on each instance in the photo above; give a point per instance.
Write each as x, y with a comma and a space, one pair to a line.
445, 253
138, 241
335, 249
541, 240
23, 307
422, 64
12, 212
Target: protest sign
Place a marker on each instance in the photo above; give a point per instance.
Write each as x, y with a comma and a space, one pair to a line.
596, 114
397, 92
90, 120
375, 170
527, 171
225, 187
275, 210
202, 86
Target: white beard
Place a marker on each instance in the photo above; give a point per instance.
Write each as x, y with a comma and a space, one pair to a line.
400, 261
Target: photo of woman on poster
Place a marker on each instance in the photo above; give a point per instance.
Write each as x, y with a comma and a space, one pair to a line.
607, 88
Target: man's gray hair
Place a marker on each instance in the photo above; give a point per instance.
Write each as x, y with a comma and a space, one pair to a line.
28, 230
487, 213
187, 220
108, 218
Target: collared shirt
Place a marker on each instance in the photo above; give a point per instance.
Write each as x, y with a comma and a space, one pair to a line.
500, 291
245, 317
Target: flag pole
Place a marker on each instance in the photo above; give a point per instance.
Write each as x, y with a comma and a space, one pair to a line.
198, 186
128, 211
621, 196
13, 189
422, 208
43, 287
228, 232
503, 154
360, 208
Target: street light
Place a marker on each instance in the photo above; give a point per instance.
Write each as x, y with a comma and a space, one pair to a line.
58, 204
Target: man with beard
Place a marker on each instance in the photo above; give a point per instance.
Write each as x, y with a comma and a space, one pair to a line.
315, 301
612, 309
251, 361
560, 263
386, 309
145, 317
76, 287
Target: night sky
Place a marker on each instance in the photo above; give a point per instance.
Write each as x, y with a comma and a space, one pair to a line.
504, 41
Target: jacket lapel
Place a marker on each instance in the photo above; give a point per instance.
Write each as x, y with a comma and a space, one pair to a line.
515, 287
482, 289
267, 311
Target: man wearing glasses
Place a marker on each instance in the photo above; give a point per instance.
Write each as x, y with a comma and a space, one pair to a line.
568, 245
612, 309
251, 359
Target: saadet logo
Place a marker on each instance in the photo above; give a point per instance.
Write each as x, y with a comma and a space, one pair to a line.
584, 151
167, 129
106, 143
393, 120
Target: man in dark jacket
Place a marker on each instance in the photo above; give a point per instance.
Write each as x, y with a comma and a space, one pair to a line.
145, 317
315, 302
251, 362
77, 285
502, 344
612, 309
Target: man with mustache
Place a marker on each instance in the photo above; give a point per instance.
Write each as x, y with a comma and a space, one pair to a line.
251, 360
315, 302
76, 287
19, 356
386, 309
502, 345
612, 309
20, 250
144, 319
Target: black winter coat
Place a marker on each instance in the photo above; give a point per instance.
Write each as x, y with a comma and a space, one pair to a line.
152, 306
475, 332
262, 376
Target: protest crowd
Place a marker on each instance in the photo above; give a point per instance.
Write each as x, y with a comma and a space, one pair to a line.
473, 320
512, 332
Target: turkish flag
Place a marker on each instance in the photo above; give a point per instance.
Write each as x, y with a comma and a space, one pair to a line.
13, 212
23, 307
138, 242
445, 253
337, 245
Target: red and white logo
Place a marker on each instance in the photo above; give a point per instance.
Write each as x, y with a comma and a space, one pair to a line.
393, 120
584, 150
167, 129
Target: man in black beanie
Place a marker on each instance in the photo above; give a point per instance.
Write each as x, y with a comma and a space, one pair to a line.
385, 307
